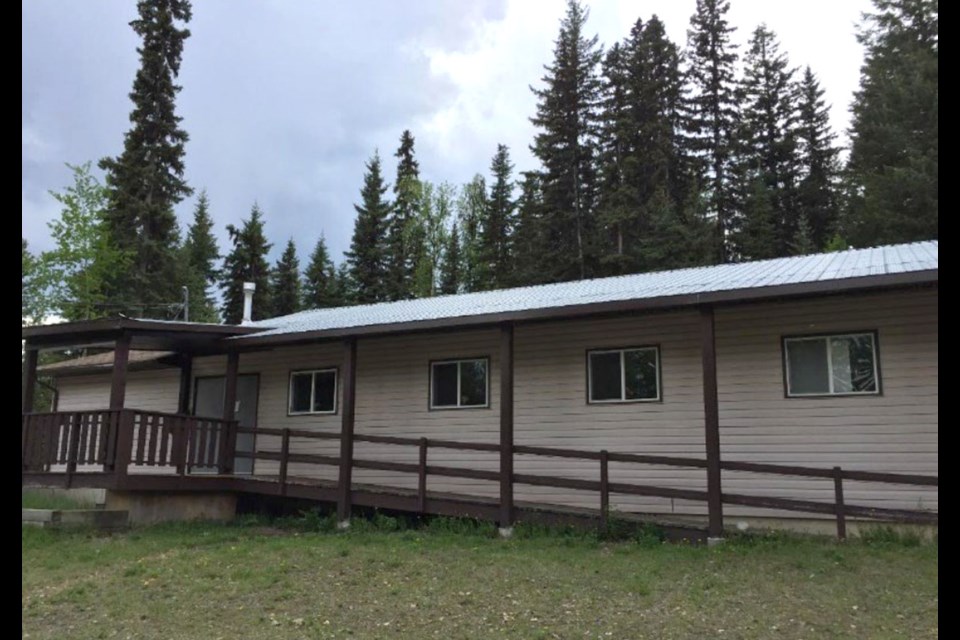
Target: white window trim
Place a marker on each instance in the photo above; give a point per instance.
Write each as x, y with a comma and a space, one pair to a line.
623, 376
826, 338
313, 389
458, 362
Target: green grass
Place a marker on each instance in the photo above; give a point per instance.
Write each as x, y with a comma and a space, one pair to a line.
47, 500
454, 579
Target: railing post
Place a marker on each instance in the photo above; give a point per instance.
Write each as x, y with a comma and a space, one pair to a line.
506, 429
118, 376
345, 479
73, 446
604, 491
181, 436
284, 460
838, 503
711, 419
124, 447
29, 382
227, 442
422, 478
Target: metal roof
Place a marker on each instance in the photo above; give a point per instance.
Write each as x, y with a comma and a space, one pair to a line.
104, 362
826, 272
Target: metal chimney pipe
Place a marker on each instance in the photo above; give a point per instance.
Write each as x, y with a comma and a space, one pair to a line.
248, 290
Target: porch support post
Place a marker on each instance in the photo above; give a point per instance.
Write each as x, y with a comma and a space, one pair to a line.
28, 384
186, 374
228, 442
711, 415
118, 378
506, 429
346, 432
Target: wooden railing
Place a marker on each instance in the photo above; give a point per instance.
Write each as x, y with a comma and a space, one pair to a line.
118, 441
838, 508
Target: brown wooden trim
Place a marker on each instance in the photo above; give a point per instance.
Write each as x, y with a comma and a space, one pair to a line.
422, 476
345, 478
28, 382
506, 425
186, 378
284, 460
118, 376
711, 420
604, 490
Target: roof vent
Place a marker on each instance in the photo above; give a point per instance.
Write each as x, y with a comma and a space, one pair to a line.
248, 290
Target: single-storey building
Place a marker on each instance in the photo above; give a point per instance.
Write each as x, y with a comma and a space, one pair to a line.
812, 381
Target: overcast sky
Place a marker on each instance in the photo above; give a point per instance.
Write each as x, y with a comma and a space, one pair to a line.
285, 100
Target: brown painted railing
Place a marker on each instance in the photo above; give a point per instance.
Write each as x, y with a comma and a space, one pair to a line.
120, 440
837, 508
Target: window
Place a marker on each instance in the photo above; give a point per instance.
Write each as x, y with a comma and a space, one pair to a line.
459, 384
843, 364
624, 375
313, 392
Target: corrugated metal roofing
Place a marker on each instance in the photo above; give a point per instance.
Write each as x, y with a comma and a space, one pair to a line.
854, 263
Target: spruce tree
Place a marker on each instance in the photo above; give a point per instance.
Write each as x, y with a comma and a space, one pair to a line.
644, 172
320, 286
146, 181
247, 262
345, 289
767, 142
528, 237
498, 224
472, 206
450, 266
566, 147
285, 282
618, 206
400, 252
712, 113
817, 201
893, 172
367, 255
200, 255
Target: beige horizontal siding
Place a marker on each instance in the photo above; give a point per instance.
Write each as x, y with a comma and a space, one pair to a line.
151, 390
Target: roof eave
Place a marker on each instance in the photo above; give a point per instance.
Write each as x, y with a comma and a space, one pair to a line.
820, 287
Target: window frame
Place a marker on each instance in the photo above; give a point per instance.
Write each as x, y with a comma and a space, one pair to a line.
458, 407
336, 392
827, 336
623, 387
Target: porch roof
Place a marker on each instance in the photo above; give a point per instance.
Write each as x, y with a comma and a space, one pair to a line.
145, 335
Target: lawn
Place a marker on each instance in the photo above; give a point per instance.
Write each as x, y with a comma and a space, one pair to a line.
453, 580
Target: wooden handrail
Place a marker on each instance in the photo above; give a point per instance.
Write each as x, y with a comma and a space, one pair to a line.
121, 438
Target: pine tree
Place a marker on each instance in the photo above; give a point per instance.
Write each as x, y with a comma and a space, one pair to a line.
893, 171
766, 137
471, 208
247, 262
566, 147
367, 255
450, 267
494, 243
712, 112
346, 291
400, 253
320, 286
528, 241
817, 201
200, 255
146, 180
285, 282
